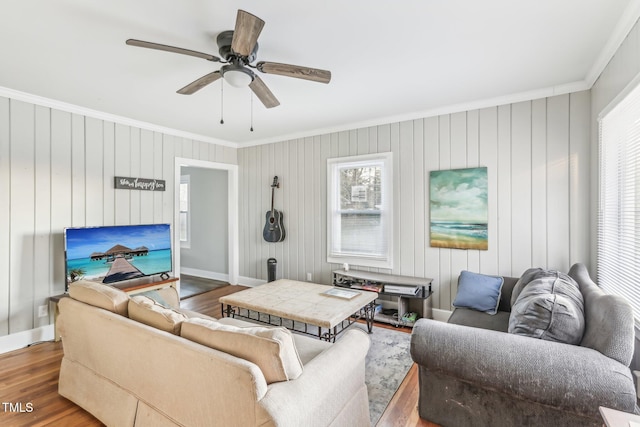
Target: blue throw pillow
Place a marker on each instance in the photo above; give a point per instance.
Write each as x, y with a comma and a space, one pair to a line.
478, 292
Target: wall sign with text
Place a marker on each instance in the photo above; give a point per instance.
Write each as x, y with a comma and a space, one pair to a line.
139, 183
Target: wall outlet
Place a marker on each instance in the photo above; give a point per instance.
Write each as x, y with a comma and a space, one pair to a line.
308, 277
43, 311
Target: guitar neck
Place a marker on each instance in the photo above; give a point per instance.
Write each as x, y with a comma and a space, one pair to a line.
272, 192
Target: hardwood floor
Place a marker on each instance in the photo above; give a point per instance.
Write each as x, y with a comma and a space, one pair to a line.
29, 383
192, 285
30, 375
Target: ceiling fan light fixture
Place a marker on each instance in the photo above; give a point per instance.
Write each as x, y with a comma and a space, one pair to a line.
237, 75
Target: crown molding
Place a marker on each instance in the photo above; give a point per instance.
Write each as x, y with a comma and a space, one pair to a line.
438, 111
76, 109
628, 19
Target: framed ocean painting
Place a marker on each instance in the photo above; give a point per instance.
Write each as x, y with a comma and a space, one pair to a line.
458, 206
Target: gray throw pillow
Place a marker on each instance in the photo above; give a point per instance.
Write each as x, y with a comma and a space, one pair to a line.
549, 306
526, 277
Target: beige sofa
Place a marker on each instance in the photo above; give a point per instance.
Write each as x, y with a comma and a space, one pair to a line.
128, 373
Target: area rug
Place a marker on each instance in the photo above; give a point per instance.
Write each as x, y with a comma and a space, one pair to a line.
386, 365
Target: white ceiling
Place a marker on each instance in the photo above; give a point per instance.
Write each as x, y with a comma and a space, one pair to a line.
389, 60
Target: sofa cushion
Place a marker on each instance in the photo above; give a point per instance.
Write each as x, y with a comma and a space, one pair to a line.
100, 295
550, 307
271, 348
145, 310
477, 319
478, 292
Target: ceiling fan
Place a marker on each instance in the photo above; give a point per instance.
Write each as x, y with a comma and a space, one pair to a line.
238, 49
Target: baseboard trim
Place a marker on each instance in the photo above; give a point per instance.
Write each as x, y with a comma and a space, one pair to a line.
25, 338
204, 274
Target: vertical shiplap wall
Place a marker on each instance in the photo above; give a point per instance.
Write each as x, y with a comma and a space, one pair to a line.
538, 159
620, 72
623, 67
56, 171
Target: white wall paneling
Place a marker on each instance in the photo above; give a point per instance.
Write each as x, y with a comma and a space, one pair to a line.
579, 178
503, 203
22, 212
539, 182
56, 171
431, 162
42, 210
534, 151
5, 213
623, 70
558, 182
521, 176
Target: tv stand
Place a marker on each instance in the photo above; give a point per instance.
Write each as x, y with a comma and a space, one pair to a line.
418, 302
143, 284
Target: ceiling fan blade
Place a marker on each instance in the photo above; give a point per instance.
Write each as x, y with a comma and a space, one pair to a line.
245, 36
200, 83
157, 46
263, 93
306, 73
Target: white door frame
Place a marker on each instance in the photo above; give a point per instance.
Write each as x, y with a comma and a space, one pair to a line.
234, 254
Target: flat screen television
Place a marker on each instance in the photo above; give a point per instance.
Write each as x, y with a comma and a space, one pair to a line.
110, 254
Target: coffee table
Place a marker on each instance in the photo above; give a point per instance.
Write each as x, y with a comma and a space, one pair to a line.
302, 302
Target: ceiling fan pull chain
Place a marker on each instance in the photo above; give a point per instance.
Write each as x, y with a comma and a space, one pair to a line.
251, 129
222, 103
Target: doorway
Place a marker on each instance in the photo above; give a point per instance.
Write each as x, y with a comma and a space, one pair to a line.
211, 180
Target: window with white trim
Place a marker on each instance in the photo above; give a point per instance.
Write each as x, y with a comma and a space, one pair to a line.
359, 217
185, 211
619, 200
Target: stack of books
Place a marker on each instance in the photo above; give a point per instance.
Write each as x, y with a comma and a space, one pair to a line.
373, 287
368, 286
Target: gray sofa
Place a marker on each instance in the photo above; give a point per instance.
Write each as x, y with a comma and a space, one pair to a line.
472, 372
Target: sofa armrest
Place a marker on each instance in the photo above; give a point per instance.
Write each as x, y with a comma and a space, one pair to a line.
327, 384
569, 377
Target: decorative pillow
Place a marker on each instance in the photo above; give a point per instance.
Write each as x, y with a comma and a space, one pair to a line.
271, 348
100, 295
145, 310
550, 307
478, 292
526, 277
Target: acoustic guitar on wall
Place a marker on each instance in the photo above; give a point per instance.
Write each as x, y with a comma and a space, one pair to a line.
273, 227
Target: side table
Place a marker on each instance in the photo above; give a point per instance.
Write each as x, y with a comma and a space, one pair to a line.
615, 418
55, 300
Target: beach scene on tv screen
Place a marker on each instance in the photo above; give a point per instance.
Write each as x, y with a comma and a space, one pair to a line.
113, 254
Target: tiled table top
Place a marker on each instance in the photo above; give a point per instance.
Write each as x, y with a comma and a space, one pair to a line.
299, 301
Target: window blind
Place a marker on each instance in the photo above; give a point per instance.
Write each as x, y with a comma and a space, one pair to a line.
619, 201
